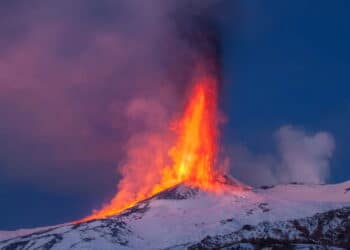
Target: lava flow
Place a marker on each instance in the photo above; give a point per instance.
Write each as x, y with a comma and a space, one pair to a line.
192, 156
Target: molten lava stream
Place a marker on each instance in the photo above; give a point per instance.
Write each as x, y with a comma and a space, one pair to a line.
193, 154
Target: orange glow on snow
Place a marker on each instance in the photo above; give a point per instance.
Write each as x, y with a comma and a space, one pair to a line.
192, 156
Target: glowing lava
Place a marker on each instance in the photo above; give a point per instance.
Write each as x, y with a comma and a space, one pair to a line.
196, 146
193, 154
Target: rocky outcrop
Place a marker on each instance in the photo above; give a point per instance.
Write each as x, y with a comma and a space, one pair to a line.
321, 231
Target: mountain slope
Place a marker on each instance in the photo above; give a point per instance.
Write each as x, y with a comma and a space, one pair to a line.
330, 228
183, 217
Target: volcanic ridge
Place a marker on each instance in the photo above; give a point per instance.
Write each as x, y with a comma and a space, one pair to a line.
292, 216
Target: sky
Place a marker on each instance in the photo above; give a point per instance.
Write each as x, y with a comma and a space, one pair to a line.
285, 96
288, 64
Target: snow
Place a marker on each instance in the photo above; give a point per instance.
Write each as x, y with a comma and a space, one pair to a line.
4, 235
180, 222
203, 215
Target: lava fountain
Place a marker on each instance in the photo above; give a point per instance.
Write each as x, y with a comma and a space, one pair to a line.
193, 155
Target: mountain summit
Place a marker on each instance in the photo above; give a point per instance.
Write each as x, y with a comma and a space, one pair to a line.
293, 216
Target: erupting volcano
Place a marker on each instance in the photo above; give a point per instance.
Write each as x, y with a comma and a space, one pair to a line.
193, 156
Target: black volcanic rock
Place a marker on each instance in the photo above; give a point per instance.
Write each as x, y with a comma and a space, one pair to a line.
321, 231
179, 192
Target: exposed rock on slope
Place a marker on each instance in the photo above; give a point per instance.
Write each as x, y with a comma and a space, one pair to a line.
331, 228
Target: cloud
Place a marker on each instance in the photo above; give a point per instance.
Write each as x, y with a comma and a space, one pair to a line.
300, 157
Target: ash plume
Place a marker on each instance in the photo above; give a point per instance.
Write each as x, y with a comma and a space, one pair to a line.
83, 82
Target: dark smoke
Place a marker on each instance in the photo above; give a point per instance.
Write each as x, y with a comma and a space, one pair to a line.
81, 80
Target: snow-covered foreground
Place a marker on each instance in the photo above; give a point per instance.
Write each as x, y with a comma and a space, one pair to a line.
183, 216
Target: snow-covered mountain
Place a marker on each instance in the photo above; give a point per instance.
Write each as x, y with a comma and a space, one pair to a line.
294, 216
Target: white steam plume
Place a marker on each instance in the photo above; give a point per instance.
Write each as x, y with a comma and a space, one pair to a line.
300, 157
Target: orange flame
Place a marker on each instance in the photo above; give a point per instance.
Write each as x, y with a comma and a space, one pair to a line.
193, 154
196, 147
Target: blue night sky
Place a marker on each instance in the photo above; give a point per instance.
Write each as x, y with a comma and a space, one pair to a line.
289, 63
284, 63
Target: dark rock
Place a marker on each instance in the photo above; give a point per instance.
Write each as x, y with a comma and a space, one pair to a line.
321, 231
16, 245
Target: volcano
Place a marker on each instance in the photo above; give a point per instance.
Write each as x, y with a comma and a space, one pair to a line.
191, 202
293, 216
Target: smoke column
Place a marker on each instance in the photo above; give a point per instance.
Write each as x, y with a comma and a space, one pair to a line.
79, 80
159, 159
